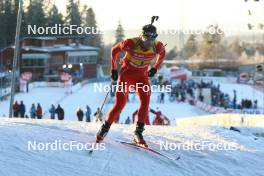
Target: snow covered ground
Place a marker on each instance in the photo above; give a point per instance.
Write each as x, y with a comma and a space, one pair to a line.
87, 96
43, 95
243, 92
242, 154
245, 159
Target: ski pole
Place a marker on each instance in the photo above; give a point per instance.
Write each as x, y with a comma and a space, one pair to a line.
104, 101
105, 98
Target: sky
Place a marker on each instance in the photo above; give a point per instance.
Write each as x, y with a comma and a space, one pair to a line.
191, 14
230, 15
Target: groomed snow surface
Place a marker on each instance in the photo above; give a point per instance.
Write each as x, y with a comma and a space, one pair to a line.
246, 158
239, 154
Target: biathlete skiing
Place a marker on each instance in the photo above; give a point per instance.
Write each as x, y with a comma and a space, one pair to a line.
135, 70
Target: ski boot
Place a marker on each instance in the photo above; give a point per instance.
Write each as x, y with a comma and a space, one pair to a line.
138, 137
102, 132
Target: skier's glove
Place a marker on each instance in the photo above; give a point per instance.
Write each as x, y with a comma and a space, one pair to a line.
152, 72
114, 75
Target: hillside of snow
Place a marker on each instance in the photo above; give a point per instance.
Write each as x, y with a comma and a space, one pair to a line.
87, 95
243, 92
245, 158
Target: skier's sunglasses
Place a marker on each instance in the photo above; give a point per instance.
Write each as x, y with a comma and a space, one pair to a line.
150, 35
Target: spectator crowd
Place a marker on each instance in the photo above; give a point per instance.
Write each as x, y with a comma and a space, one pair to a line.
185, 91
36, 112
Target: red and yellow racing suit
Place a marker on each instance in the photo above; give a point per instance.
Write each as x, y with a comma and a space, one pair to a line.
134, 71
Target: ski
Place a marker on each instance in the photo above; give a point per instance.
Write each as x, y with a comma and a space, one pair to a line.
149, 149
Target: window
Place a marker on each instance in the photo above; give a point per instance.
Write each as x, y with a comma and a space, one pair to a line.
34, 63
82, 59
72, 60
57, 60
93, 59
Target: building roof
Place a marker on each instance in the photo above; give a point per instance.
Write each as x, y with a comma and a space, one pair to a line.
54, 48
57, 48
40, 38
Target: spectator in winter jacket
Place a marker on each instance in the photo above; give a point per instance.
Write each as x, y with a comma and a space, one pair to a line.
16, 109
88, 114
80, 114
255, 106
160, 119
60, 112
127, 121
33, 111
234, 99
39, 111
134, 118
22, 109
162, 95
98, 115
52, 112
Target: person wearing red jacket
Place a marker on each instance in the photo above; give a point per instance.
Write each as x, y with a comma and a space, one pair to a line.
160, 118
134, 118
140, 51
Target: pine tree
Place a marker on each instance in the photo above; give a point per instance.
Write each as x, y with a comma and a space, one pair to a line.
2, 24
172, 54
54, 17
35, 15
73, 16
93, 39
236, 47
7, 29
90, 21
211, 47
119, 33
191, 46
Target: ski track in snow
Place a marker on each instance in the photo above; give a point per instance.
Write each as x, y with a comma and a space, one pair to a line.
118, 159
